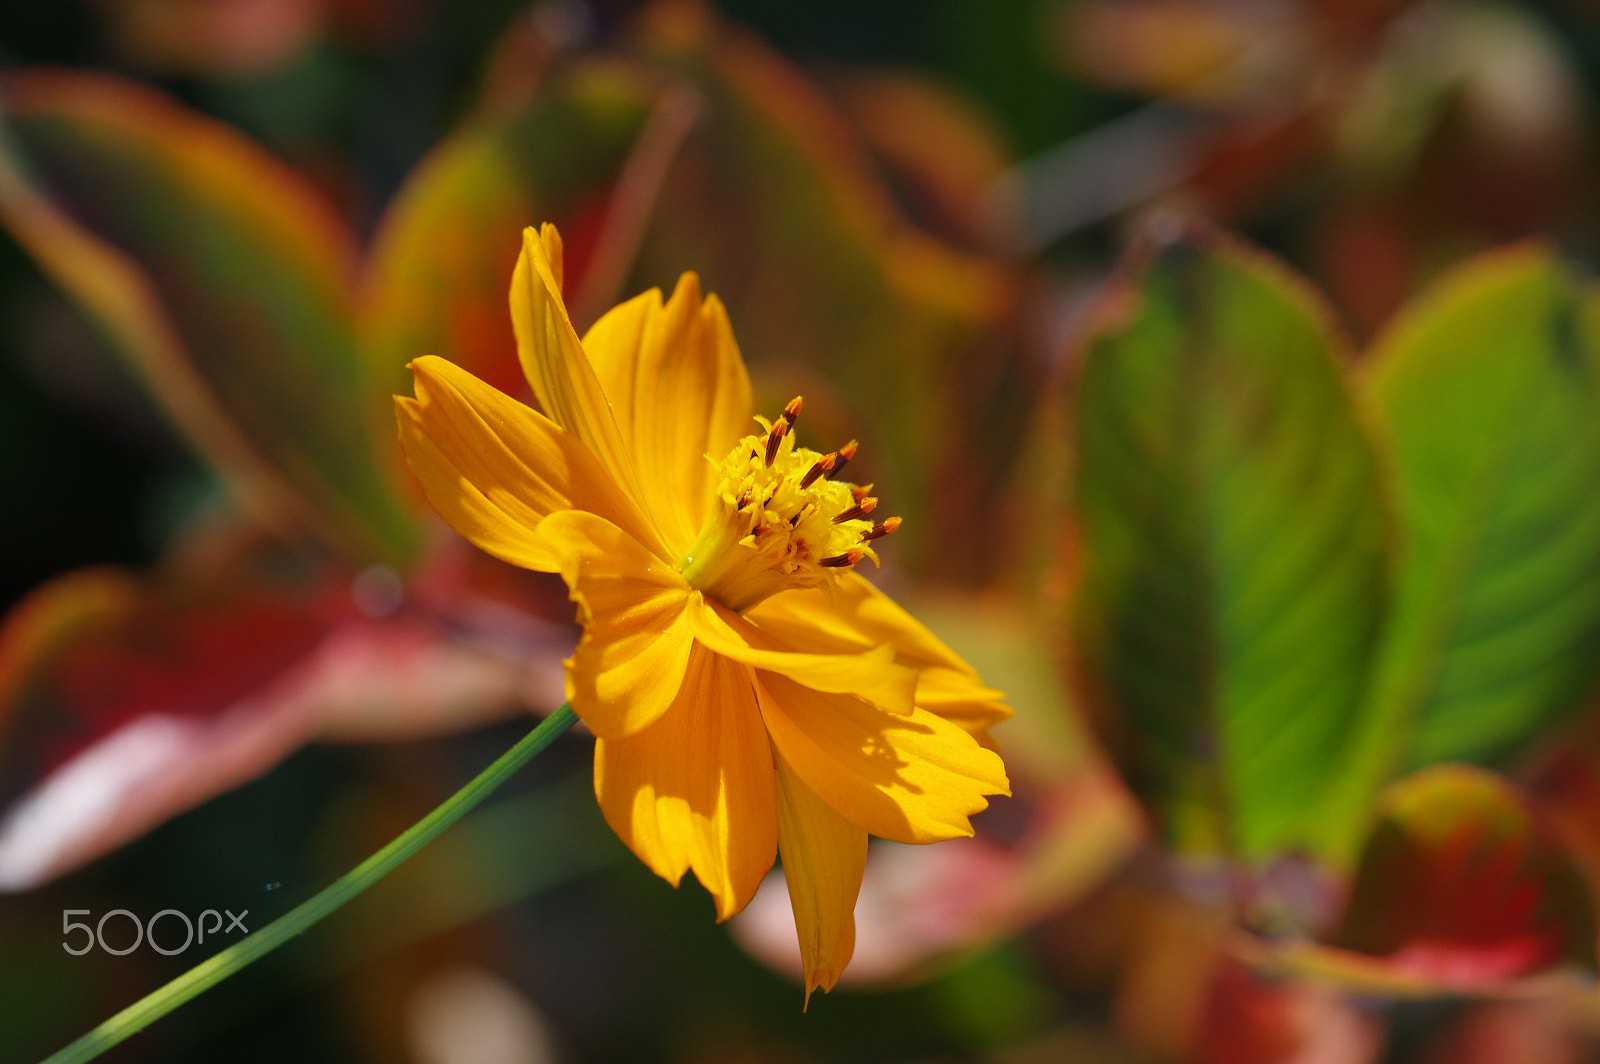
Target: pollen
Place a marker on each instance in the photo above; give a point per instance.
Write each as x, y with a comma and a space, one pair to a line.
781, 519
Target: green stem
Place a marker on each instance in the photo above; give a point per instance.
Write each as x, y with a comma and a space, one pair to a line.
208, 973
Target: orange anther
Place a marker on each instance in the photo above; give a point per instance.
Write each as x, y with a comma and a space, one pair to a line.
845, 453
821, 466
883, 528
779, 430
860, 509
849, 557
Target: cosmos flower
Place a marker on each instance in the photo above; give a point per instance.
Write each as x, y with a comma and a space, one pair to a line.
751, 694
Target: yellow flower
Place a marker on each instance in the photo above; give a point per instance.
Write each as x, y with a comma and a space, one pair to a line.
748, 690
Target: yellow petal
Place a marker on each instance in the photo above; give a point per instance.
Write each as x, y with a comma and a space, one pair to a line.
961, 699
557, 369
611, 345
695, 790
680, 393
493, 468
854, 616
851, 616
871, 674
635, 610
910, 778
824, 856
554, 254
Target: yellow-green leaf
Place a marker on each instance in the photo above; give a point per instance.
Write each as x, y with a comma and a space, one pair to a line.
1487, 393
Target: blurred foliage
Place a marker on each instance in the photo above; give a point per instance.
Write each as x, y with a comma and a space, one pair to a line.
223, 280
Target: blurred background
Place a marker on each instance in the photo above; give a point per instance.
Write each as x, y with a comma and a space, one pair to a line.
237, 654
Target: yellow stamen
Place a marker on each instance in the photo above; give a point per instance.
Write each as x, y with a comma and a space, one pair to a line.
770, 530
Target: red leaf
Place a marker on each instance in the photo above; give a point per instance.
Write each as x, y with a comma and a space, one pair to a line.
1461, 884
131, 699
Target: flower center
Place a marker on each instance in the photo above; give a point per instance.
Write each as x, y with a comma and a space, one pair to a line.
781, 520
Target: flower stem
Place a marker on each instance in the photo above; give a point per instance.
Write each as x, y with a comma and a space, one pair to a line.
208, 973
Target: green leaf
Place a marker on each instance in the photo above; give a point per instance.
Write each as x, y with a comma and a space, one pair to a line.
222, 278
1488, 392
1233, 547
